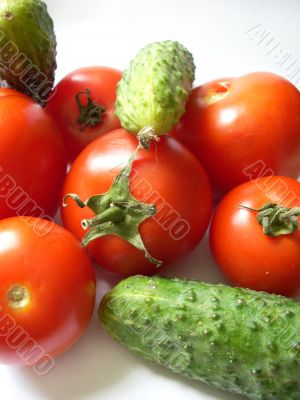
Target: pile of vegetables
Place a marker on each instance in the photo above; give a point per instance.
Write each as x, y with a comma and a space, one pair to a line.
148, 153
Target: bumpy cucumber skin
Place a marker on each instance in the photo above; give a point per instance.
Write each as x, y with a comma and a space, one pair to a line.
27, 25
154, 89
235, 339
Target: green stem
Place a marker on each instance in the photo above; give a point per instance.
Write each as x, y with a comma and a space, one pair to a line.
91, 113
112, 214
275, 219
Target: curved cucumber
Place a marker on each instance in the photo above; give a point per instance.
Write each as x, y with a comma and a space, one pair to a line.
235, 339
154, 89
28, 47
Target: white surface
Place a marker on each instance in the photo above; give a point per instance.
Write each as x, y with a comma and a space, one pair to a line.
110, 33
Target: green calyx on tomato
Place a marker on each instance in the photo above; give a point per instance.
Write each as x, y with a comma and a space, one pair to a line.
276, 220
117, 211
91, 113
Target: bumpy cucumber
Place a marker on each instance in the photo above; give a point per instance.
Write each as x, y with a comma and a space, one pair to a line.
28, 47
235, 339
154, 89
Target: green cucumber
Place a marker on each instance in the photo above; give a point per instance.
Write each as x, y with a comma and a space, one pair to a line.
27, 47
154, 89
235, 339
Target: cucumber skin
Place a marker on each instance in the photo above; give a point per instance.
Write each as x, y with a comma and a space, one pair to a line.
239, 340
31, 30
154, 89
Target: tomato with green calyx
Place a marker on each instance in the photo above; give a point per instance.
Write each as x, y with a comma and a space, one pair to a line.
255, 236
47, 290
157, 204
83, 106
243, 128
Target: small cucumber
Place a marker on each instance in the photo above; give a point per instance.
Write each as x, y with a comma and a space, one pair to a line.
235, 339
154, 89
27, 47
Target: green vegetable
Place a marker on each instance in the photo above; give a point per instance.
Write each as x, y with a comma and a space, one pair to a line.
235, 339
154, 89
28, 47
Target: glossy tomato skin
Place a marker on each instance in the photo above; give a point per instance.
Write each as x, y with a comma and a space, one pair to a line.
33, 159
232, 124
56, 271
167, 175
247, 256
102, 84
5, 91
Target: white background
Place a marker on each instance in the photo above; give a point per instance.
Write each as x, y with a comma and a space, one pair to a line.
220, 34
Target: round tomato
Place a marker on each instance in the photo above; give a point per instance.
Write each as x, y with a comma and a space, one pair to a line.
166, 175
32, 159
47, 291
243, 128
83, 105
259, 249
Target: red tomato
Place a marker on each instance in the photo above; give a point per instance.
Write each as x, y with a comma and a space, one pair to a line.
247, 256
32, 159
101, 82
167, 175
47, 290
243, 128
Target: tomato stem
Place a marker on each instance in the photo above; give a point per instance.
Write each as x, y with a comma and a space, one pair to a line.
112, 214
91, 113
275, 219
117, 212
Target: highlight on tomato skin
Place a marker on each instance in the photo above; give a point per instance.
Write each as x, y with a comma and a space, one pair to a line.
166, 175
230, 124
47, 290
83, 106
6, 91
33, 158
255, 236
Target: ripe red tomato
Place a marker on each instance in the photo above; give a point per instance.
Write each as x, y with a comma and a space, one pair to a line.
247, 256
241, 128
47, 291
167, 175
101, 83
32, 159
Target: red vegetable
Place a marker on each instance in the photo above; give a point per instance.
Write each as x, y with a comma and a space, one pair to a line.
32, 158
243, 128
5, 91
47, 291
255, 238
84, 106
167, 175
